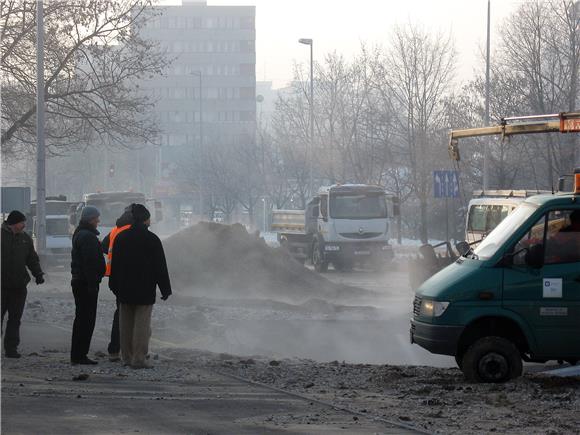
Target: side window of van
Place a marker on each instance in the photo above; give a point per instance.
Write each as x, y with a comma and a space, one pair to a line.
563, 237
534, 237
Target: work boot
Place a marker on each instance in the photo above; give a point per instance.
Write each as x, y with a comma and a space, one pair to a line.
84, 362
12, 354
114, 357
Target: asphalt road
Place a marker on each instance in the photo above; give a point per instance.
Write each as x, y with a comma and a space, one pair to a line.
39, 396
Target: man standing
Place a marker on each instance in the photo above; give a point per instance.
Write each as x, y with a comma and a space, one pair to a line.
17, 254
123, 223
138, 267
87, 269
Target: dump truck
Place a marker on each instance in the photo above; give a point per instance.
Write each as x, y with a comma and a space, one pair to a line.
344, 225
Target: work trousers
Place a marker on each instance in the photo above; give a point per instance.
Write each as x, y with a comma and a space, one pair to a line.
115, 343
85, 317
13, 301
135, 323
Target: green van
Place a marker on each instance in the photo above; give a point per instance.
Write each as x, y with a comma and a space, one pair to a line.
515, 297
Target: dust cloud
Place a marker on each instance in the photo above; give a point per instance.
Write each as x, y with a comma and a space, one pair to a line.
240, 296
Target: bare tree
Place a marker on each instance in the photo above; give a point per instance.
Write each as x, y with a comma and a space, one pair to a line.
94, 60
418, 70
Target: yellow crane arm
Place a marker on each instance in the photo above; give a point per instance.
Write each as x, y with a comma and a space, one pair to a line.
565, 122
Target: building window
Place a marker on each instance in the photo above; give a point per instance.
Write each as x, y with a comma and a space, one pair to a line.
247, 116
247, 23
247, 69
247, 93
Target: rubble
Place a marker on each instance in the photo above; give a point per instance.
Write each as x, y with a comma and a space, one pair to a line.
220, 260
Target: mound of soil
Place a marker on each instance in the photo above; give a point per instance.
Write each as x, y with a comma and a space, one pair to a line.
225, 260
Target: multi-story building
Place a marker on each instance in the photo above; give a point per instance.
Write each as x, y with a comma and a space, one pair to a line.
208, 93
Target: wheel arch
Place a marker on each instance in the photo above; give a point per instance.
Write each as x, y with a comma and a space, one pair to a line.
499, 326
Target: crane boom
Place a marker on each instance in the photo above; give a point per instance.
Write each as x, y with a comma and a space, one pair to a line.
565, 122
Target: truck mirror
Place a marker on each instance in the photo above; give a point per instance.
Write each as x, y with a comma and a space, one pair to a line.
158, 211
396, 207
315, 211
535, 256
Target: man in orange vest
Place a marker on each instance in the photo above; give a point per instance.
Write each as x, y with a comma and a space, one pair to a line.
122, 224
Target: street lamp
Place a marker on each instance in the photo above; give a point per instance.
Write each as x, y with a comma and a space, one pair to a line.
309, 41
201, 149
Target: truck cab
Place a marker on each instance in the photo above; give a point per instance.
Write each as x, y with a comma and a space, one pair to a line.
514, 298
349, 224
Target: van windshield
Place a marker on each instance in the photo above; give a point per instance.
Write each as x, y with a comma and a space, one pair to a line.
495, 240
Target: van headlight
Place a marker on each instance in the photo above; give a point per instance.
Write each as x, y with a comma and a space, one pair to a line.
433, 308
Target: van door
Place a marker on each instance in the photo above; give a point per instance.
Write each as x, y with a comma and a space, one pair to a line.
547, 295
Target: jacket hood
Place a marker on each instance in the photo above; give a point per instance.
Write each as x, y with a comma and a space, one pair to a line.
125, 219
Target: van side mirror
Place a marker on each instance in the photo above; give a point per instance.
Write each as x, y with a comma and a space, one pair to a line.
462, 247
73, 219
535, 257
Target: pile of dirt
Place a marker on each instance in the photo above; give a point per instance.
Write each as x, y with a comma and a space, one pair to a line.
225, 260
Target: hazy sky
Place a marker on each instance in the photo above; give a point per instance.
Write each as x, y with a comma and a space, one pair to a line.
341, 25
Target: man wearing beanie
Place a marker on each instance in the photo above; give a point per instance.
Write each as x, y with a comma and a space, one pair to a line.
87, 269
138, 267
17, 254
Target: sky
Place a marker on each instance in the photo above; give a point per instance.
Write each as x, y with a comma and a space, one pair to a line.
342, 25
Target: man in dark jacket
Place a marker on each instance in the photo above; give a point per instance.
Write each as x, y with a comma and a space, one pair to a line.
123, 223
138, 267
87, 269
17, 254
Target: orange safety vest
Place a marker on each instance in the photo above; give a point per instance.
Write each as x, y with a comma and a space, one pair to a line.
114, 233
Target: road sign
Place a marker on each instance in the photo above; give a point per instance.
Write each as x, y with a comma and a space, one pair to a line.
446, 184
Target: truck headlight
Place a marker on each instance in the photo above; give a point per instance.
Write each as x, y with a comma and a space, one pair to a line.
332, 248
433, 308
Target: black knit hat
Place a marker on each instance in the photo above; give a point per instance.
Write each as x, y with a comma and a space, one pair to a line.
140, 213
15, 217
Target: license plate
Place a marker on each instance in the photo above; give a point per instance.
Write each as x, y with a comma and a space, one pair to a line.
362, 252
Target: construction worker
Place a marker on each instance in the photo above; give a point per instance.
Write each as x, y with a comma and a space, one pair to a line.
17, 254
87, 269
123, 223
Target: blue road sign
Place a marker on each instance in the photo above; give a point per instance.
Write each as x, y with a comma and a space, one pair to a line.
445, 184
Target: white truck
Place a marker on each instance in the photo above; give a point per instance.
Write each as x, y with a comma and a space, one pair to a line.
344, 224
58, 234
112, 205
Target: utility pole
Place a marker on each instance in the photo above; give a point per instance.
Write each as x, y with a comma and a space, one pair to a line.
487, 86
308, 41
40, 145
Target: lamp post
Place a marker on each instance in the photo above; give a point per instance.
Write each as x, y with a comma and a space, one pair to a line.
201, 148
40, 144
310, 42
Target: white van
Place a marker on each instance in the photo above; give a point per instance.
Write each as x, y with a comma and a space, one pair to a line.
487, 209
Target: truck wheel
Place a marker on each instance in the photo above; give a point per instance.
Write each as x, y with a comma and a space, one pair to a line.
492, 360
320, 264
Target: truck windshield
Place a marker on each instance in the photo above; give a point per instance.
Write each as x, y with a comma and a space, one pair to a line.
110, 210
358, 206
57, 227
495, 240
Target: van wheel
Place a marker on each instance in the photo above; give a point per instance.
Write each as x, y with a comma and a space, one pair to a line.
320, 265
492, 360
